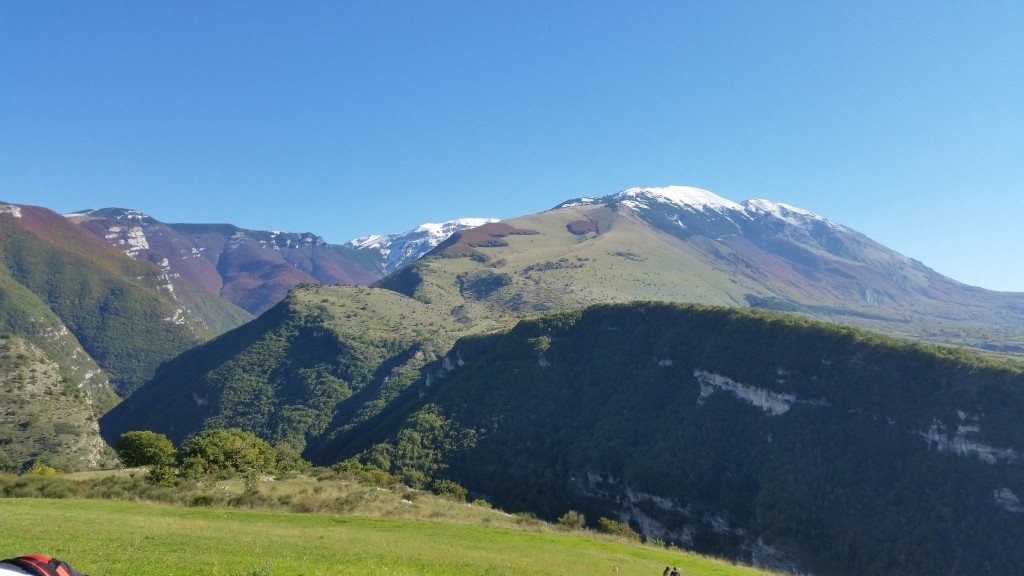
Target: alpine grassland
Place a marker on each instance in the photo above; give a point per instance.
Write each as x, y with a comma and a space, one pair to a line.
115, 538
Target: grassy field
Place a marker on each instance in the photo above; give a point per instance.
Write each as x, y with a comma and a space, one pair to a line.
114, 538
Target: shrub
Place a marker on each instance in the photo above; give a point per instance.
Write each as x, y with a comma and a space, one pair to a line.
365, 474
38, 469
572, 520
203, 500
609, 526
160, 475
449, 489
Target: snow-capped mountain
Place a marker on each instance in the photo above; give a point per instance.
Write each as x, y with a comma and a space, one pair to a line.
686, 211
686, 244
397, 250
254, 269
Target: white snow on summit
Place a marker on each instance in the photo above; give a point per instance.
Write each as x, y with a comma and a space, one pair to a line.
683, 196
403, 247
430, 229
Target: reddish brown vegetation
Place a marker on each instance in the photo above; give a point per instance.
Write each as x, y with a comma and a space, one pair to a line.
581, 227
487, 236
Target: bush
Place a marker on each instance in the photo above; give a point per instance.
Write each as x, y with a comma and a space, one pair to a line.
573, 520
449, 489
365, 474
202, 500
609, 526
38, 469
160, 475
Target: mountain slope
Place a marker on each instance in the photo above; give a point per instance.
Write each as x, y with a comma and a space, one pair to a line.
396, 250
252, 269
51, 391
669, 244
116, 308
44, 417
733, 432
686, 244
772, 439
321, 360
255, 269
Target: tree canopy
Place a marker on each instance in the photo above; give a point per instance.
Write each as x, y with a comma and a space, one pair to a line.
145, 448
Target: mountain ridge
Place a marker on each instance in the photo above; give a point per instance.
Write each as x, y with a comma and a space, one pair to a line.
523, 358
752, 254
254, 269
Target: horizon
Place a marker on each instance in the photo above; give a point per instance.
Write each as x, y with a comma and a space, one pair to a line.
344, 120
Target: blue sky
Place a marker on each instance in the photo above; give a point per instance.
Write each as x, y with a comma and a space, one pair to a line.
903, 120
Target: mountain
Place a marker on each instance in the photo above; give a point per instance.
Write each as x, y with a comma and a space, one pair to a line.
665, 244
737, 432
786, 442
795, 445
689, 245
121, 311
322, 360
80, 323
45, 417
397, 250
254, 269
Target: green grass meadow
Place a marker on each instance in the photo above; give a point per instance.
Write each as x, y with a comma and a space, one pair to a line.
115, 538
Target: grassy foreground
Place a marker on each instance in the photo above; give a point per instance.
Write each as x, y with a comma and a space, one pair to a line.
114, 538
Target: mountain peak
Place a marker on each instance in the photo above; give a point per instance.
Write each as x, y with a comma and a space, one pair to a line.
451, 225
399, 249
123, 214
686, 197
683, 196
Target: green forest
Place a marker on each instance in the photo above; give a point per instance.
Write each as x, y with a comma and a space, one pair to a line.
601, 411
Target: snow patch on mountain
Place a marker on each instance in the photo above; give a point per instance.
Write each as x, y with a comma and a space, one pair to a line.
1007, 500
791, 214
686, 197
697, 199
399, 249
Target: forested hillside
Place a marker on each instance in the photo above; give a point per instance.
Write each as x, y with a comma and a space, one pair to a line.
755, 436
321, 360
113, 305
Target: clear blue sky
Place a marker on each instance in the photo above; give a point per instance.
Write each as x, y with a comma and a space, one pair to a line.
903, 120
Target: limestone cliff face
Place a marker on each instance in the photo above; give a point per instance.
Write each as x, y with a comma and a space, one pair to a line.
773, 403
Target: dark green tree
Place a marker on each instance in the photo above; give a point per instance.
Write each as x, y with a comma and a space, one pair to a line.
223, 451
145, 448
